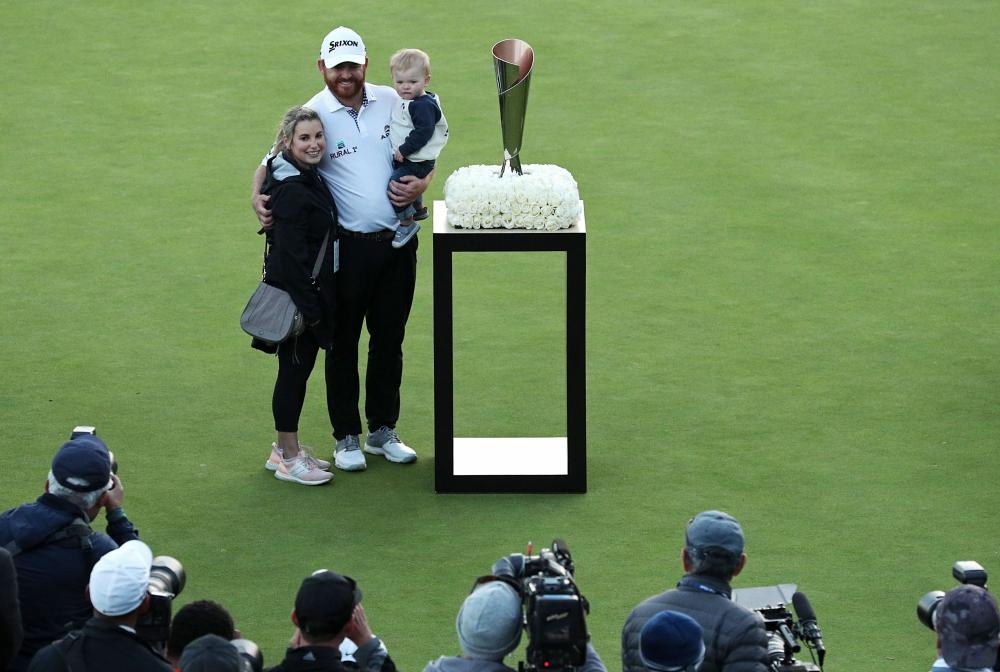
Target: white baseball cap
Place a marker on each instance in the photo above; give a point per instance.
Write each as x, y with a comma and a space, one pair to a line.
342, 45
119, 580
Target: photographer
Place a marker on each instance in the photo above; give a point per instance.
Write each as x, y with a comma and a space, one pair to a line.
194, 620
211, 653
118, 590
671, 642
53, 545
328, 611
489, 624
735, 638
967, 623
11, 631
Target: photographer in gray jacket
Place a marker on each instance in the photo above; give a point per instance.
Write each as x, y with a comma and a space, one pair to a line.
489, 624
735, 638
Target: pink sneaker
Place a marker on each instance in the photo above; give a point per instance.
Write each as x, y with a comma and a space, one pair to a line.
274, 459
302, 471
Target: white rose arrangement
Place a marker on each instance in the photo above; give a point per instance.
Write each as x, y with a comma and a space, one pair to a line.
544, 198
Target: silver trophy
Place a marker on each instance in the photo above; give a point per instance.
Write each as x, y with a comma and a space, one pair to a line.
512, 59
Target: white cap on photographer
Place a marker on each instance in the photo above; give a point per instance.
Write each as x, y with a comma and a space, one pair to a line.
120, 579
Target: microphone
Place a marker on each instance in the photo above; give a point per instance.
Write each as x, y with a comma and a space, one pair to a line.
562, 555
807, 620
560, 547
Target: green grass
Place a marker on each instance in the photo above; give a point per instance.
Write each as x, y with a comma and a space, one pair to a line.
793, 299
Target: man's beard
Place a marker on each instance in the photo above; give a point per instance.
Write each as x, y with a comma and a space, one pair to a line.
346, 88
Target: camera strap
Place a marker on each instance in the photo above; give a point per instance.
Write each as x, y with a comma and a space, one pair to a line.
688, 582
70, 649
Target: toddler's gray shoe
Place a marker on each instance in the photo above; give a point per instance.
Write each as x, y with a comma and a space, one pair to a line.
403, 234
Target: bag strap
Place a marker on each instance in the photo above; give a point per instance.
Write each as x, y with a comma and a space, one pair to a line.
319, 257
316, 266
267, 250
70, 649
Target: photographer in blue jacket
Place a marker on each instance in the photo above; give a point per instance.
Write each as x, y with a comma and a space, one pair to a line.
54, 546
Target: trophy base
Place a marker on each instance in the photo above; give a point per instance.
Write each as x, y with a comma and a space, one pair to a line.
544, 197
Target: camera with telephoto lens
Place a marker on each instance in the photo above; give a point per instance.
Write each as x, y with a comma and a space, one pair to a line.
554, 611
251, 659
965, 572
166, 581
968, 572
785, 635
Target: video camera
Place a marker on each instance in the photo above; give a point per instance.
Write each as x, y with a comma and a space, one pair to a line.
784, 634
554, 611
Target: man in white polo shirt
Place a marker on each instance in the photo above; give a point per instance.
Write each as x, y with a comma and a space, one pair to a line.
375, 282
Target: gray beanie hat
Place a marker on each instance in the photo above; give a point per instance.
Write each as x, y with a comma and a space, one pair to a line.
489, 622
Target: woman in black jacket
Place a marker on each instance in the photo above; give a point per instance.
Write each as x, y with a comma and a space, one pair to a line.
304, 229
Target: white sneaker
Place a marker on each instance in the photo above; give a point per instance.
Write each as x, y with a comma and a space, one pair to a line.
347, 454
274, 459
302, 471
384, 441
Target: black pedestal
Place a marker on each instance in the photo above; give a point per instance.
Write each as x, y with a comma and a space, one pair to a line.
509, 464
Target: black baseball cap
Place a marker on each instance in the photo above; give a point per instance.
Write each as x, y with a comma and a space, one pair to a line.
325, 602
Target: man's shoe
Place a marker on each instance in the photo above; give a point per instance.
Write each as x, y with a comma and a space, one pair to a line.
303, 471
274, 459
347, 454
384, 441
404, 234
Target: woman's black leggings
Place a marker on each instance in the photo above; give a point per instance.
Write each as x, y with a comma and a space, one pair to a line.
296, 358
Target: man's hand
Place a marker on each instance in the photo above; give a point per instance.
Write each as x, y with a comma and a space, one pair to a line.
258, 200
112, 499
357, 629
260, 209
323, 335
408, 188
296, 641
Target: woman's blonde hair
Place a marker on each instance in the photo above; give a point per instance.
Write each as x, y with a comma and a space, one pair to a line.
286, 129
